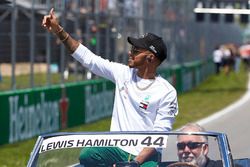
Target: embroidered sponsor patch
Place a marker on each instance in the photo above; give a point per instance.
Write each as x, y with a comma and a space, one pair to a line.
173, 109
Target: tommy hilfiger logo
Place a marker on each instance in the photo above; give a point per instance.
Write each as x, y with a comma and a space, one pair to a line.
144, 105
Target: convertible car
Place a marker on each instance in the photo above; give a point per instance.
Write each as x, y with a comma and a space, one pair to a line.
63, 149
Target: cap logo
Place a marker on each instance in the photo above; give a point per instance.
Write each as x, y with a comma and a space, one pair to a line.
152, 48
144, 35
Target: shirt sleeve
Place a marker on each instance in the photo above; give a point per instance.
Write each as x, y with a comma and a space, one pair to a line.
166, 113
97, 64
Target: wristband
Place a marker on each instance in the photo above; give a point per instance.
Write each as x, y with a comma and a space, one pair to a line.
67, 36
59, 31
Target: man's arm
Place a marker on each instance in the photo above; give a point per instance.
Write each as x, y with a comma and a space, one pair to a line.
145, 154
51, 24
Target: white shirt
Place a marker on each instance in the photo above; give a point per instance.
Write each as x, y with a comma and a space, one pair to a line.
152, 109
217, 56
226, 53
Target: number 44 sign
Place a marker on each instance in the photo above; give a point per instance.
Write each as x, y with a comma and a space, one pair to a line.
104, 140
153, 141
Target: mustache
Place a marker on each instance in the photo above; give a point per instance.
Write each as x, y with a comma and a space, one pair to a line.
187, 157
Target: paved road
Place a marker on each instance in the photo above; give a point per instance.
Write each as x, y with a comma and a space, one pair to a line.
235, 122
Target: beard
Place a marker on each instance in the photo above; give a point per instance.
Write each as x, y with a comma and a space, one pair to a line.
200, 161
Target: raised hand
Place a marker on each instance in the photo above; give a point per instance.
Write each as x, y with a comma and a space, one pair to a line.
50, 22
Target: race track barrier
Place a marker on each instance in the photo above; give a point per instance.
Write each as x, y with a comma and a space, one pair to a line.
30, 112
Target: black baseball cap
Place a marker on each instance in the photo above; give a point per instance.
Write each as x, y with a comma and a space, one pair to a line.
151, 42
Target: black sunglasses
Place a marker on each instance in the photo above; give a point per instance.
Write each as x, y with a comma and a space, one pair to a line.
135, 51
191, 145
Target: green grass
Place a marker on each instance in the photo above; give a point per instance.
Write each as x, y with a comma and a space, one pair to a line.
212, 95
215, 93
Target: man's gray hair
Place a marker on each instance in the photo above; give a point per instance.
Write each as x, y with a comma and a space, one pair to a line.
193, 127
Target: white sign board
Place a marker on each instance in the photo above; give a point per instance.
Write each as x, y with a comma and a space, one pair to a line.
104, 140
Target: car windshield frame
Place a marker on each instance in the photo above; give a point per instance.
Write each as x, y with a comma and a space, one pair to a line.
223, 144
